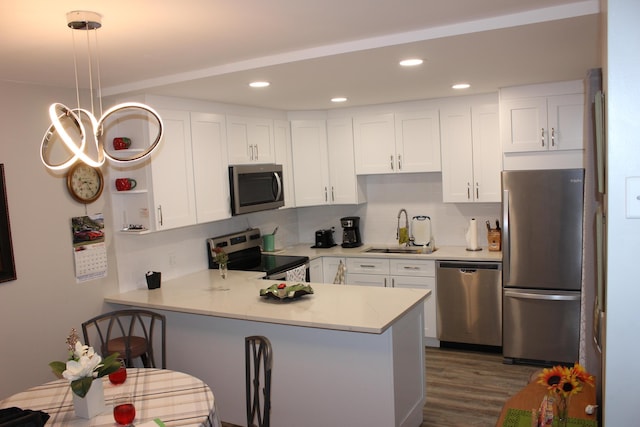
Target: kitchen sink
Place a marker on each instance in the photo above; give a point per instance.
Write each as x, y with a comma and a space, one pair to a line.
416, 250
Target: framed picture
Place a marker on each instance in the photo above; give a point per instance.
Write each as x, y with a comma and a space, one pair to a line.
7, 267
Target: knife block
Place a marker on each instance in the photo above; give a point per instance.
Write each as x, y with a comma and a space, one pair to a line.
494, 237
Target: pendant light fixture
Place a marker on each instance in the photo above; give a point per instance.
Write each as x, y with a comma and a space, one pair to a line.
78, 128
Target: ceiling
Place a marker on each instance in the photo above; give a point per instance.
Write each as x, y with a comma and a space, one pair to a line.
309, 50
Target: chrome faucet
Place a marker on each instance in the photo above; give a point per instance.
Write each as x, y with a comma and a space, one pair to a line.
406, 224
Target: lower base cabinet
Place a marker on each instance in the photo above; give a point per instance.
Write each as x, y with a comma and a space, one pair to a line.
399, 273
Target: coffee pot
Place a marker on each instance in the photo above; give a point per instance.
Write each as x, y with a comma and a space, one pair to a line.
351, 232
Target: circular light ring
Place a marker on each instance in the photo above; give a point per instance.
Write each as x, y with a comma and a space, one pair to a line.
57, 112
134, 105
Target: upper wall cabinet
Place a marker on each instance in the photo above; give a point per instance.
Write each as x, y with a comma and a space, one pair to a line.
210, 167
250, 140
323, 162
471, 156
284, 157
397, 143
542, 123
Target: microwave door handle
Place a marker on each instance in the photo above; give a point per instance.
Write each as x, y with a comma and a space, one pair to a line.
279, 185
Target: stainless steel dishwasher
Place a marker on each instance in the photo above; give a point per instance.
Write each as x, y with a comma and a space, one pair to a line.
469, 302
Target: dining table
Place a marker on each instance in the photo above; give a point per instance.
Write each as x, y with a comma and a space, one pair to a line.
172, 397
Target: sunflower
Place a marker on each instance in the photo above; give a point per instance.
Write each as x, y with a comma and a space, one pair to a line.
569, 385
551, 377
578, 372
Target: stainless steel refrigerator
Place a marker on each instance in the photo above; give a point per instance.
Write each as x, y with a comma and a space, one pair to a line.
542, 216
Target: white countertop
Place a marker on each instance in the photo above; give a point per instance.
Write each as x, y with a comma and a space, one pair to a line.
448, 253
337, 307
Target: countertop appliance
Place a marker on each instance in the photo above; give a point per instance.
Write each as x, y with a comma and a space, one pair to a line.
469, 303
351, 231
324, 239
421, 232
542, 264
243, 249
254, 188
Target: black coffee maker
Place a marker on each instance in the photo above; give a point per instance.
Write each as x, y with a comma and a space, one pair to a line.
351, 232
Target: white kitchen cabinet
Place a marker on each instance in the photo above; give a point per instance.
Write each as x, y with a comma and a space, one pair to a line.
284, 157
323, 163
542, 123
471, 155
316, 271
399, 273
210, 167
420, 274
330, 268
172, 185
397, 143
250, 140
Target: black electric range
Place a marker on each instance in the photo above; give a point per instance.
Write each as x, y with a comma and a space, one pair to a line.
243, 249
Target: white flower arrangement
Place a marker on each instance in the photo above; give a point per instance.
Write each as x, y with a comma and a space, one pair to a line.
84, 365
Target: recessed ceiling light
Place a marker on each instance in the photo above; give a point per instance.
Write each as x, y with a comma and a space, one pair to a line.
461, 86
411, 62
259, 84
339, 99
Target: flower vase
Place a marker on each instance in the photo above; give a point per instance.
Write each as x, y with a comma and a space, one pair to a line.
92, 403
223, 270
562, 411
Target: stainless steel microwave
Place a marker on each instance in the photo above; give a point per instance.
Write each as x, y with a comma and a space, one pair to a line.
255, 188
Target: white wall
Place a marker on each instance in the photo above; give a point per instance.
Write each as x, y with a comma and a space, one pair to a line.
45, 302
622, 382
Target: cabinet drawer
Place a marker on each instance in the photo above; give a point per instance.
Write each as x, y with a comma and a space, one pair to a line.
412, 267
368, 265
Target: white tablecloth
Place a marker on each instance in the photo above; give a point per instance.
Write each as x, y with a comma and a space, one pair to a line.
176, 398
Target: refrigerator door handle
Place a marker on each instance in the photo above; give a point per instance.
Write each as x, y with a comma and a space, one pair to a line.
506, 268
545, 297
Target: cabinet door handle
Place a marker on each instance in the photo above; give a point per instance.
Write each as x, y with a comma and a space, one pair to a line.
257, 152
385, 282
553, 137
468, 191
367, 266
250, 152
333, 195
399, 162
391, 161
160, 214
542, 136
325, 195
393, 283
477, 191
411, 267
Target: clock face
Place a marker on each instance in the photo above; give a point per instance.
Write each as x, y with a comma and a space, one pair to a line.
84, 183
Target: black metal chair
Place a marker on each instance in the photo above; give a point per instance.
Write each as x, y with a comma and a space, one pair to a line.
258, 361
132, 333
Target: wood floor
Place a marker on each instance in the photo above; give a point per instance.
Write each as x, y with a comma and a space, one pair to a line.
466, 388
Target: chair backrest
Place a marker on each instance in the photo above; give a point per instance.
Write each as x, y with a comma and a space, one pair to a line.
258, 363
126, 324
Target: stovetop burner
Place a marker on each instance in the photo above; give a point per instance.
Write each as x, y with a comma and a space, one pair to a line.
244, 253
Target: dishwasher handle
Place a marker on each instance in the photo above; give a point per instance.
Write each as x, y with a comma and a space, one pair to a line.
470, 267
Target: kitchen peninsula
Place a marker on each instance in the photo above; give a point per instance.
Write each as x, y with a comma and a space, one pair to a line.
345, 355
